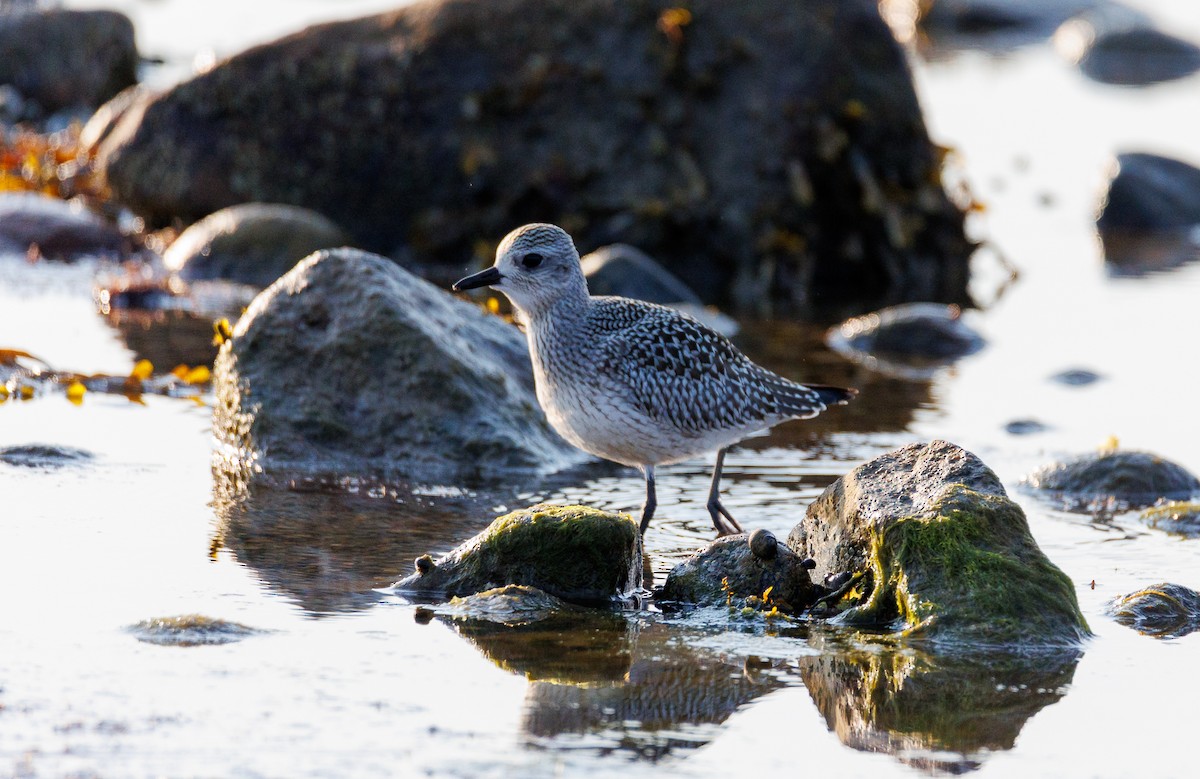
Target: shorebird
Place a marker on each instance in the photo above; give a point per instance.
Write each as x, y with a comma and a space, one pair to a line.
633, 382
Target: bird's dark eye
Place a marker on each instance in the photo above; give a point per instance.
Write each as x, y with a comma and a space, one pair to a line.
531, 260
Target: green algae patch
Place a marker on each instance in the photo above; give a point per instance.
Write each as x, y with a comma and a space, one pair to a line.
576, 553
968, 572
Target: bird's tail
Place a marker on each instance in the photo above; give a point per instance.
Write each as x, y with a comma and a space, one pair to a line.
833, 396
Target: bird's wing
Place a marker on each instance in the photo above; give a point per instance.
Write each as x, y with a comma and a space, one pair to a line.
675, 369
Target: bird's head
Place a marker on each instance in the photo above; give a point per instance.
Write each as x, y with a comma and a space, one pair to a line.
536, 266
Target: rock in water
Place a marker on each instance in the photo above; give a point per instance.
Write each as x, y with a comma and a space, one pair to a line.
1161, 610
1111, 480
445, 122
737, 567
948, 557
350, 365
67, 59
251, 243
576, 553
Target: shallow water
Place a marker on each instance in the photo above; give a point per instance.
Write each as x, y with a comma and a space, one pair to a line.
343, 679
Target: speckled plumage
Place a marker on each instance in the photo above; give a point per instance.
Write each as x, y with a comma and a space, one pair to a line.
634, 382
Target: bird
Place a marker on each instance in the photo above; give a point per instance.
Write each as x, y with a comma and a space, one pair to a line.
633, 382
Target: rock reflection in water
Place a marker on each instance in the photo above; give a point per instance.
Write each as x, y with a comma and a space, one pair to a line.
328, 548
939, 713
623, 681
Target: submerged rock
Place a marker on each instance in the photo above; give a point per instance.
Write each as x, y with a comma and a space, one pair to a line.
250, 243
576, 553
65, 58
443, 123
1161, 610
60, 230
1076, 377
1113, 480
1150, 193
946, 555
348, 364
1176, 516
911, 340
741, 567
190, 630
735, 568
42, 455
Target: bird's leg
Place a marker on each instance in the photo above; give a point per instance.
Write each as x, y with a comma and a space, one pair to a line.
651, 501
725, 524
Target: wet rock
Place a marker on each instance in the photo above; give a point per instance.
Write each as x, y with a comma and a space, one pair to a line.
349, 364
946, 555
1076, 377
981, 16
734, 568
1176, 516
66, 59
485, 115
251, 243
912, 340
190, 630
56, 229
1112, 480
576, 553
1129, 55
42, 455
1161, 610
1149, 193
1025, 427
512, 604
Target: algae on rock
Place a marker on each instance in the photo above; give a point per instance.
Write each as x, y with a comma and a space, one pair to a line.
576, 553
948, 557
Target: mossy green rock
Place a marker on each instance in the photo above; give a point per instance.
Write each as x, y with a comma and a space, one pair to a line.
350, 365
576, 553
729, 570
1162, 610
948, 556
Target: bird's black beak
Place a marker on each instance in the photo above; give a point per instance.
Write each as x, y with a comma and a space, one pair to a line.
484, 278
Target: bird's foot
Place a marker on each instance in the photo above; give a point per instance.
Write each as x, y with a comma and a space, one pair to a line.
722, 520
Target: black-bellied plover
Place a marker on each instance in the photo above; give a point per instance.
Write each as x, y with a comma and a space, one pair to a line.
634, 382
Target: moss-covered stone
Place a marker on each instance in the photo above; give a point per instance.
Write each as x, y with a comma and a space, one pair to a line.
579, 554
733, 570
968, 572
1114, 480
1162, 610
945, 555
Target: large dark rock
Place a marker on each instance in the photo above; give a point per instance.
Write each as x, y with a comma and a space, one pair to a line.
735, 568
1112, 480
945, 555
1161, 610
1175, 516
576, 553
252, 243
440, 125
1132, 55
66, 59
349, 364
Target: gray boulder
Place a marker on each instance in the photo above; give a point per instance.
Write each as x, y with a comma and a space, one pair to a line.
579, 554
445, 122
1162, 610
349, 364
944, 555
1112, 480
740, 568
67, 59
251, 243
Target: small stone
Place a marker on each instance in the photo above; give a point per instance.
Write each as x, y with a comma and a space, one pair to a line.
190, 630
1162, 610
1076, 377
763, 544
